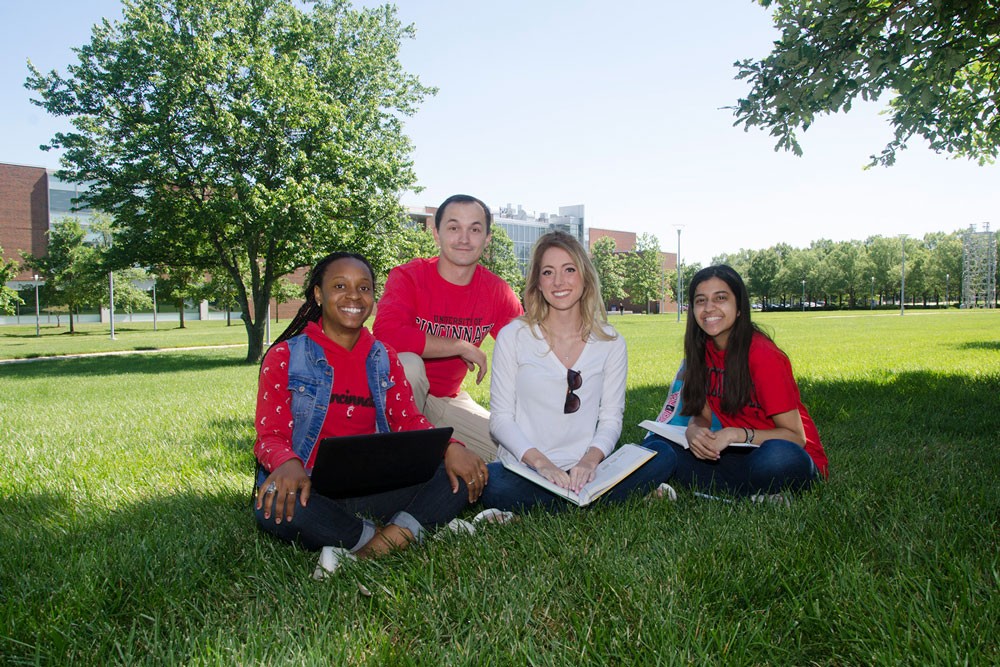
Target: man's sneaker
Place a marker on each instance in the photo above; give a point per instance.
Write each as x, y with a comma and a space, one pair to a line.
771, 498
330, 559
457, 526
494, 515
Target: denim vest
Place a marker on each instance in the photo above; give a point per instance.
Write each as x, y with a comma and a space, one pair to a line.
310, 379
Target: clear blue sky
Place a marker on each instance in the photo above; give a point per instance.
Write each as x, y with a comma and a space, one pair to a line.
614, 105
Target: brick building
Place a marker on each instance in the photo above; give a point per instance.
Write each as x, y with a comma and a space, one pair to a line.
24, 212
625, 243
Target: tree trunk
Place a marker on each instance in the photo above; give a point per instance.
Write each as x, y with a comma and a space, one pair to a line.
180, 312
255, 337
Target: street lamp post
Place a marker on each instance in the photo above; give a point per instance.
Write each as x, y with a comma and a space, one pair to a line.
154, 304
947, 277
38, 331
111, 301
679, 297
803, 295
872, 307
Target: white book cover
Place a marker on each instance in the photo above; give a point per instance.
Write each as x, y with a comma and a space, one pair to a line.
620, 464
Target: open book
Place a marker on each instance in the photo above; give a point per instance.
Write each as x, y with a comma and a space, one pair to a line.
678, 434
620, 464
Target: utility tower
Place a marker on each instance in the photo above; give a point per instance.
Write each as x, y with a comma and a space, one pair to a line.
979, 268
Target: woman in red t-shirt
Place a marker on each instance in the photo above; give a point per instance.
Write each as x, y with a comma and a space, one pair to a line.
735, 372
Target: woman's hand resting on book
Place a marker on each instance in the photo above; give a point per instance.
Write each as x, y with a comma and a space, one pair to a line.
583, 472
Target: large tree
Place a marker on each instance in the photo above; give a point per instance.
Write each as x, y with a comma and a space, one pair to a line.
71, 268
610, 271
645, 280
938, 61
243, 137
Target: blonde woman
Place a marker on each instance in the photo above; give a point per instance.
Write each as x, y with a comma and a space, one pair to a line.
557, 392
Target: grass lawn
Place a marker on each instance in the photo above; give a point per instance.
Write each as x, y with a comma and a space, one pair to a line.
126, 536
20, 342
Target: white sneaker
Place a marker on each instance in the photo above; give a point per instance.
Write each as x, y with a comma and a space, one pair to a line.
457, 526
664, 490
494, 515
330, 559
461, 527
771, 498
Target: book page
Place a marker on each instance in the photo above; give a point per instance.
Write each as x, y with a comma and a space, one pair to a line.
678, 434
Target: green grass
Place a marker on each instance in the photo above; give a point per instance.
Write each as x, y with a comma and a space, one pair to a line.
126, 536
20, 342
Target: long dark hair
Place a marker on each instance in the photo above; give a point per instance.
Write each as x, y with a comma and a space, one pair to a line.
310, 311
737, 386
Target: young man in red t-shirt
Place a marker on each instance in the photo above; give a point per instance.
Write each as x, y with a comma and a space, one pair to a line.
436, 312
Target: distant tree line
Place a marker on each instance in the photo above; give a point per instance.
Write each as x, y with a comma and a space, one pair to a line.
853, 274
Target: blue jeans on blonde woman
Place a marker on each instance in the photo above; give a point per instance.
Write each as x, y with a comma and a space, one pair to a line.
509, 491
775, 466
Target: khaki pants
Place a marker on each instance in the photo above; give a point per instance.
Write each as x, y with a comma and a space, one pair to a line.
470, 420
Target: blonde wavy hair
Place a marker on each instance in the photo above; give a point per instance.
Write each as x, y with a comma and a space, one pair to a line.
536, 308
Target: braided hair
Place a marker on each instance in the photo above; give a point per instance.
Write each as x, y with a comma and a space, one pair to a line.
310, 311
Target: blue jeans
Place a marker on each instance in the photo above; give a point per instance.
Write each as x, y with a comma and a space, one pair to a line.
775, 466
347, 522
510, 492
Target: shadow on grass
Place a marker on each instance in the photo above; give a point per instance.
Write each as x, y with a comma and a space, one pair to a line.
49, 331
980, 345
920, 406
150, 364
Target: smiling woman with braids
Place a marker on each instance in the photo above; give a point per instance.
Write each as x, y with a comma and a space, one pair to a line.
300, 401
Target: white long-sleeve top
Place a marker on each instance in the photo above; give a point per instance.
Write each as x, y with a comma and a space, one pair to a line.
528, 394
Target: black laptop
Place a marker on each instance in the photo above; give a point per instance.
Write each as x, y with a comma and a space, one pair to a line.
360, 465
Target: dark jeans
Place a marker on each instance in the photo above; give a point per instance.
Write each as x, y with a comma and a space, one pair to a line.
775, 466
347, 522
509, 491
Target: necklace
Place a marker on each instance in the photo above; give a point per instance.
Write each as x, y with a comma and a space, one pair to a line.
566, 347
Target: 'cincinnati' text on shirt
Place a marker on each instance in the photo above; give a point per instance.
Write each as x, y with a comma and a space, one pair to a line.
462, 328
351, 399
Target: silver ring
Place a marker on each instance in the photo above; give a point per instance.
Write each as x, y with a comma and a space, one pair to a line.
292, 492
271, 488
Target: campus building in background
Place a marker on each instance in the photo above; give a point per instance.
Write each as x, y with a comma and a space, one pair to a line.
523, 227
33, 199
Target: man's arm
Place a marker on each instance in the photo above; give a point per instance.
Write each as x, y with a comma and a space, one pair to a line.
396, 317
